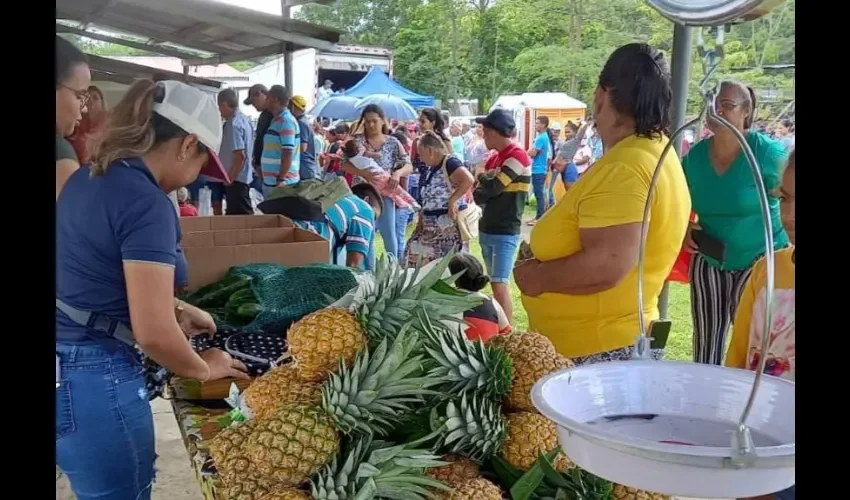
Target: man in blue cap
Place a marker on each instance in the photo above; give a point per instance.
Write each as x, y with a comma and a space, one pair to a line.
502, 191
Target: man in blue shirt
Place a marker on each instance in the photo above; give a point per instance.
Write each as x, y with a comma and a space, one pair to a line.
541, 152
349, 225
238, 131
308, 167
281, 144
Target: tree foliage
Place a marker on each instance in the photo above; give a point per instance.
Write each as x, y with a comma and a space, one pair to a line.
484, 48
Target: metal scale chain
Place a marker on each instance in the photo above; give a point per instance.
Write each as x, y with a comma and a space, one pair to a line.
743, 448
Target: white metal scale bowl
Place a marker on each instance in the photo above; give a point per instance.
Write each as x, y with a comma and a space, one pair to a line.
668, 426
677, 428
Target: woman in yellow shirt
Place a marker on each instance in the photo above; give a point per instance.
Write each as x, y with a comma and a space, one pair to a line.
748, 328
580, 288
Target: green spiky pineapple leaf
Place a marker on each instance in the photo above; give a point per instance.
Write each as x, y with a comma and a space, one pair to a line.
472, 426
379, 387
465, 365
378, 469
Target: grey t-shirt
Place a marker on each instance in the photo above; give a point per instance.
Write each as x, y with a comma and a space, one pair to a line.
308, 167
64, 150
568, 148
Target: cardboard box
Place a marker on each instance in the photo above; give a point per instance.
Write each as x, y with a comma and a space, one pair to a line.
213, 245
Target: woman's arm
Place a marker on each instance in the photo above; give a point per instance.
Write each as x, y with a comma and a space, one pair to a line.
64, 169
350, 169
151, 300
463, 181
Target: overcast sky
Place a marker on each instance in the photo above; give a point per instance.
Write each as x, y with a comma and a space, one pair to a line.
270, 6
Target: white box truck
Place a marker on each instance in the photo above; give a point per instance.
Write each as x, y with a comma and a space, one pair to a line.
345, 65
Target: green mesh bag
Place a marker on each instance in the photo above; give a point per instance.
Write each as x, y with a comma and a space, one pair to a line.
277, 296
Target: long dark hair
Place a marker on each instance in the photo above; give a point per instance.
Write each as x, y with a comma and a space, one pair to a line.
439, 124
545, 121
67, 58
373, 108
637, 79
473, 278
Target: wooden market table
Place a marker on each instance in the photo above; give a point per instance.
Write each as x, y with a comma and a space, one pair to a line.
200, 419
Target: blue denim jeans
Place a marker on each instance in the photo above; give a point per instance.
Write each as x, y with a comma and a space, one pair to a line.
387, 228
499, 253
402, 219
104, 424
538, 182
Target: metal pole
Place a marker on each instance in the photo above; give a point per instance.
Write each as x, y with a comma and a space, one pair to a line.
287, 48
680, 70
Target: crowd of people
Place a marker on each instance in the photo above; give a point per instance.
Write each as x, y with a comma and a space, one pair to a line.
119, 261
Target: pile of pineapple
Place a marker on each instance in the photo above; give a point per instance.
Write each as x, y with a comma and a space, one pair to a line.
390, 400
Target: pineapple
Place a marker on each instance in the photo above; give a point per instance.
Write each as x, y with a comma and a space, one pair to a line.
467, 366
523, 341
319, 340
278, 387
369, 397
228, 454
528, 368
532, 357
251, 488
529, 435
456, 471
375, 469
625, 493
292, 445
475, 489
472, 426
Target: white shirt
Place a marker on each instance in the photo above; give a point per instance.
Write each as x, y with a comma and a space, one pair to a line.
324, 92
361, 162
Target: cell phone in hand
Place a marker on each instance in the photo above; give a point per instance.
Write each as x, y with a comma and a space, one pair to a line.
659, 331
709, 245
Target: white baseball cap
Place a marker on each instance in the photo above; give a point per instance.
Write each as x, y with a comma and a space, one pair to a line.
196, 113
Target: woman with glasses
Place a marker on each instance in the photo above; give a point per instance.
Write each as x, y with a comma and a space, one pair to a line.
72, 83
727, 238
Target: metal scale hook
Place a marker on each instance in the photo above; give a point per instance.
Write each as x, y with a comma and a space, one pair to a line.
743, 447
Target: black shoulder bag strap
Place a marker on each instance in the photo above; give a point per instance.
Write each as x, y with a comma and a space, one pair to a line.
98, 322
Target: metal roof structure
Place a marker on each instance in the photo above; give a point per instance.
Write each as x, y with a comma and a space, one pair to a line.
200, 32
114, 70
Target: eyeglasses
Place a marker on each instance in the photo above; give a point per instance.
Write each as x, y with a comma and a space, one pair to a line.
728, 105
82, 95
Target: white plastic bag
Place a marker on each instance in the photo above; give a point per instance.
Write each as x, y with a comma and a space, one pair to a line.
256, 199
205, 202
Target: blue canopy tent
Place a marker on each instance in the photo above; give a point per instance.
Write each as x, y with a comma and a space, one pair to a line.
377, 82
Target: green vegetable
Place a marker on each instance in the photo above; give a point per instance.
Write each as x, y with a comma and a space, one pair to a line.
217, 294
249, 310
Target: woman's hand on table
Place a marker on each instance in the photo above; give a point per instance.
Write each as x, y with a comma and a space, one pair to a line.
526, 277
194, 321
688, 245
222, 365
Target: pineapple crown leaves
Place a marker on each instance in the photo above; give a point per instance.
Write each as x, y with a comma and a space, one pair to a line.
468, 366
472, 426
378, 469
379, 388
392, 299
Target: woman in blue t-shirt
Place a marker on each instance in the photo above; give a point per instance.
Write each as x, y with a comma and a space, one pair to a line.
117, 265
726, 202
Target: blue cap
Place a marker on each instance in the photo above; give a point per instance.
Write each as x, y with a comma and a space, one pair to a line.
501, 120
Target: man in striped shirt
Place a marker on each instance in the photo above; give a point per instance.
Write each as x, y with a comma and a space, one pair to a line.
502, 191
281, 144
349, 225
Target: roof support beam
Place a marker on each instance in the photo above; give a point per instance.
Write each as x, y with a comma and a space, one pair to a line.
166, 51
244, 55
247, 21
